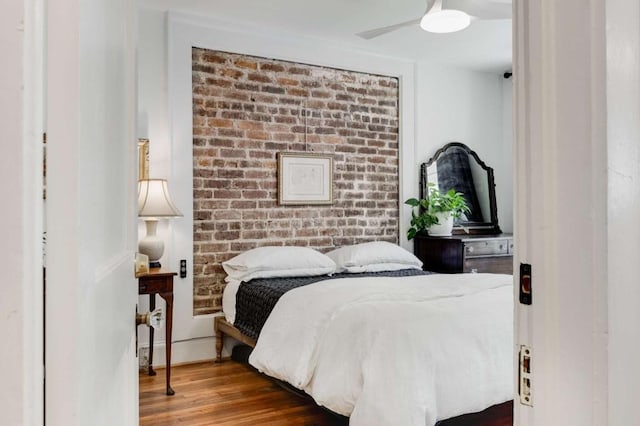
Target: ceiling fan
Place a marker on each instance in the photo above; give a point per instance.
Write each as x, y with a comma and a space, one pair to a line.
457, 16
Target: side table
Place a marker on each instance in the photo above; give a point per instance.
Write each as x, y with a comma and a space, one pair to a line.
158, 281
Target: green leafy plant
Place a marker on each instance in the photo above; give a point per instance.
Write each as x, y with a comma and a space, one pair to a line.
436, 202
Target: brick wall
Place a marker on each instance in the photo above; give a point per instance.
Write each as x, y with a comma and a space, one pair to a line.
247, 109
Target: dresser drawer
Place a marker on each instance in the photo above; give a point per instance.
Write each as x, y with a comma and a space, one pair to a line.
469, 253
495, 265
486, 248
155, 285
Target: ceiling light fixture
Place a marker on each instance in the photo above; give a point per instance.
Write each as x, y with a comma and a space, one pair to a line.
448, 20
437, 20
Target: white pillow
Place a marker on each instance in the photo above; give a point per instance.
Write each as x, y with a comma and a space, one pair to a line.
375, 256
279, 261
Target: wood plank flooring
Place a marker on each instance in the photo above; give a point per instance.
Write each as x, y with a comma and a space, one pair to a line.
228, 393
231, 393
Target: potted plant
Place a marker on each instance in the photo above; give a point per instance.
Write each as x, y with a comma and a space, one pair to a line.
436, 212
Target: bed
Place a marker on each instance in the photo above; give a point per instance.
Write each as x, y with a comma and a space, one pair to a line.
382, 345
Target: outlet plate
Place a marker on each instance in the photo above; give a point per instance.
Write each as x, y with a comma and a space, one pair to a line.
524, 386
183, 268
143, 358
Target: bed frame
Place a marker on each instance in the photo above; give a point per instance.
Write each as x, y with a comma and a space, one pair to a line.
497, 415
223, 328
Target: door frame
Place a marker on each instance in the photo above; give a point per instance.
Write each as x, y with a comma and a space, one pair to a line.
561, 142
22, 243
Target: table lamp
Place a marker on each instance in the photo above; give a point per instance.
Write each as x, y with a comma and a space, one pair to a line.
154, 202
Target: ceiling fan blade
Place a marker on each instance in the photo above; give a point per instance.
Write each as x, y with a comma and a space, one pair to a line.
482, 9
367, 35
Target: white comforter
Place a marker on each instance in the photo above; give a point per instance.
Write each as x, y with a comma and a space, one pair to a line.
395, 351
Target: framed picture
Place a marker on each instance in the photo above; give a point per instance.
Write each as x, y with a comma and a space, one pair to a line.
305, 178
142, 264
143, 159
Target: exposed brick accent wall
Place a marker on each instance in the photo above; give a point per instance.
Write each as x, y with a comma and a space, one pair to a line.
247, 109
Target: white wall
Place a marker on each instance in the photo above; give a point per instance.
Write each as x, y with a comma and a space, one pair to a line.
153, 106
452, 104
460, 105
504, 168
154, 124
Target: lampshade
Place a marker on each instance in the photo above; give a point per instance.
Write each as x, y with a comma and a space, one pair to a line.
154, 199
445, 21
154, 202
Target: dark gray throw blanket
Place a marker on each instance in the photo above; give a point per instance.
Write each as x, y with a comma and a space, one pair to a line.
256, 299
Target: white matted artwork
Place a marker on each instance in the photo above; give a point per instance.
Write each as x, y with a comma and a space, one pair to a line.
305, 178
143, 159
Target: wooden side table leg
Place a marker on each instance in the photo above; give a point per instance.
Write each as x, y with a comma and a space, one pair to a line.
168, 297
219, 342
152, 306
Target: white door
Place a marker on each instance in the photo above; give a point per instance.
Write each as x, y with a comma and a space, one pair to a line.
577, 157
91, 293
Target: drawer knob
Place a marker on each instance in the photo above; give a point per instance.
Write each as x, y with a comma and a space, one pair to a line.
470, 249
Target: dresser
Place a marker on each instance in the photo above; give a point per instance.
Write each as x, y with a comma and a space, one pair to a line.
466, 253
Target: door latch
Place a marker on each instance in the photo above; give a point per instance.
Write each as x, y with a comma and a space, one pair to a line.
524, 388
526, 296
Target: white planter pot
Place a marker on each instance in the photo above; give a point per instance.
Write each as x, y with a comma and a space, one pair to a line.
444, 226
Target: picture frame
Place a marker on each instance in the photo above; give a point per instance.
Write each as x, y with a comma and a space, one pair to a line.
143, 158
141, 264
305, 178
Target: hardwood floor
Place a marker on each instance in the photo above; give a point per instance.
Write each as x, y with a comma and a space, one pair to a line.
231, 393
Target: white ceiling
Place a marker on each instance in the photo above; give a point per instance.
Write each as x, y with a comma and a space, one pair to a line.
484, 46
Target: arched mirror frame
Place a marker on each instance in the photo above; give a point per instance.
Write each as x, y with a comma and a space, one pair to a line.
489, 228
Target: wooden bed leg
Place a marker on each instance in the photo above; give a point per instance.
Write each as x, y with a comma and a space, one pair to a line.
224, 328
219, 341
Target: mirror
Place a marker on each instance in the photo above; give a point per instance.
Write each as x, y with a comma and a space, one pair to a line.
456, 166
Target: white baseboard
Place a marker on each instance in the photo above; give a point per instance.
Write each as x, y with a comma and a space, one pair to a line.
194, 350
184, 352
